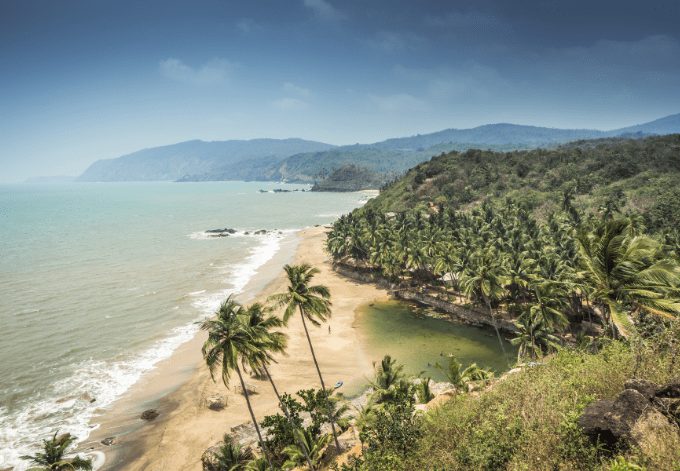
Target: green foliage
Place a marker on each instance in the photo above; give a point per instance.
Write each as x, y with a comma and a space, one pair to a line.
230, 457
53, 455
423, 391
459, 376
528, 420
599, 174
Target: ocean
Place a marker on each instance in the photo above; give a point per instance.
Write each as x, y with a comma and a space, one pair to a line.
100, 282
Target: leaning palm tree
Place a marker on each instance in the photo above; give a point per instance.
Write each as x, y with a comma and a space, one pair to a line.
230, 347
261, 323
459, 376
53, 458
314, 305
387, 373
626, 273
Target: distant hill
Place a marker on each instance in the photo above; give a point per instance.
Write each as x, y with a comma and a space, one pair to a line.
395, 156
307, 161
227, 159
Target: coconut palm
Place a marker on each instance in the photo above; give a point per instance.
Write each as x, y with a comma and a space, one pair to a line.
230, 456
261, 323
387, 373
314, 305
459, 376
423, 391
534, 336
484, 281
626, 273
53, 456
313, 447
230, 347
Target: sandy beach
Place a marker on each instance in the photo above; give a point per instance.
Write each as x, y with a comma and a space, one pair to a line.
186, 427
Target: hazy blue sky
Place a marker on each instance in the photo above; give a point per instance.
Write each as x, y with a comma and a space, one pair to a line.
83, 80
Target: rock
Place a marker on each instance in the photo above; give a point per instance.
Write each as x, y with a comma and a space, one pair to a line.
63, 438
620, 422
671, 390
251, 389
244, 434
149, 414
595, 423
260, 232
209, 459
216, 402
644, 387
108, 441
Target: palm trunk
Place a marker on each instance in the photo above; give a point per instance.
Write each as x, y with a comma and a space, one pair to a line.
252, 416
290, 421
495, 326
323, 386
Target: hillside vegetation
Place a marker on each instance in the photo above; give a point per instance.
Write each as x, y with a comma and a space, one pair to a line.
575, 253
625, 175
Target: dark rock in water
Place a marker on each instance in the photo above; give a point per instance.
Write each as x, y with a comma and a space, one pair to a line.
108, 441
150, 414
644, 387
247, 233
260, 232
221, 232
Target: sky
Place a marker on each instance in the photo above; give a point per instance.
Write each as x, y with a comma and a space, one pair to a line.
82, 80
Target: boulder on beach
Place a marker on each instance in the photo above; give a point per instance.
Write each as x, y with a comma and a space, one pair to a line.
108, 441
216, 402
149, 414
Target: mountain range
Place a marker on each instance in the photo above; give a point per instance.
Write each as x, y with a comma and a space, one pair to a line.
309, 161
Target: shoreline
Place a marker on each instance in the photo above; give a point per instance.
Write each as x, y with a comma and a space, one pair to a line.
186, 427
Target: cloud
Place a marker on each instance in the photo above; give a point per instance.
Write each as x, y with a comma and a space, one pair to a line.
290, 104
468, 80
324, 10
248, 25
390, 42
398, 102
214, 71
292, 89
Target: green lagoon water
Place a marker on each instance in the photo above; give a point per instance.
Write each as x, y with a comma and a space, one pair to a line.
100, 282
417, 341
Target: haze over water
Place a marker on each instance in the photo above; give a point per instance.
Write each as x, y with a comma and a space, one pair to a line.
99, 282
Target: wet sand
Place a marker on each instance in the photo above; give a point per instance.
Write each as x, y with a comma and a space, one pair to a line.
186, 427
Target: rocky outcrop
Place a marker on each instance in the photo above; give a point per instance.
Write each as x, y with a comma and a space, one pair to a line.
636, 417
149, 414
252, 389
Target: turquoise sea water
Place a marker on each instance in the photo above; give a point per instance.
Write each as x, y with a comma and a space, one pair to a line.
99, 282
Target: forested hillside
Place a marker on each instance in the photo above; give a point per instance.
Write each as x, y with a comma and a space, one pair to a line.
607, 175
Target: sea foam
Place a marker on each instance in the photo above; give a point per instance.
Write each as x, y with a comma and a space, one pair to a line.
69, 408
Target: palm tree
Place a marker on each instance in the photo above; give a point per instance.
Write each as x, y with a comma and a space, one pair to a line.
231, 346
484, 281
314, 305
459, 376
387, 373
311, 446
626, 273
261, 323
52, 458
230, 457
423, 391
534, 336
